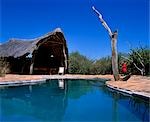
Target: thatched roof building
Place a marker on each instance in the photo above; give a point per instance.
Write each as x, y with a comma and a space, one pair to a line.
43, 55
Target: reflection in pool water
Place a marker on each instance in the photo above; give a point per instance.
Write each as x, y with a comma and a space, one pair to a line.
70, 100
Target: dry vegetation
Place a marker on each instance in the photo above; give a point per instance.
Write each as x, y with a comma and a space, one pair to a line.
4, 67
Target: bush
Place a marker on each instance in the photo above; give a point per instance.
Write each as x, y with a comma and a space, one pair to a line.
4, 67
102, 66
79, 64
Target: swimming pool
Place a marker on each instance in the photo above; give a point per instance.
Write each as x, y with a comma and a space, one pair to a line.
70, 100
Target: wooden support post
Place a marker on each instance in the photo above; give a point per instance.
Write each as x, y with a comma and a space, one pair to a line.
32, 62
31, 68
65, 56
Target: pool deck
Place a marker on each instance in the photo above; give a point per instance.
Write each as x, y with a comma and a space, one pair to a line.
136, 85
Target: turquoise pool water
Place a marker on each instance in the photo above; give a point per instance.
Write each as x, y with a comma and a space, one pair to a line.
70, 100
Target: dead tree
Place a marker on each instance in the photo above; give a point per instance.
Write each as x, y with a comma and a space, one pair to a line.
113, 37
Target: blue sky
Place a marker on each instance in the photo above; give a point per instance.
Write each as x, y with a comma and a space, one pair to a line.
27, 19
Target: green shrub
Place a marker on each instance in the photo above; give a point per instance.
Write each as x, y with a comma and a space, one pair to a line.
102, 66
79, 64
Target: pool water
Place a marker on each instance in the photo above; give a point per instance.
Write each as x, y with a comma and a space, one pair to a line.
70, 100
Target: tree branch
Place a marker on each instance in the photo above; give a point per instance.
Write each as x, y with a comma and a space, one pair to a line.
140, 58
138, 68
102, 21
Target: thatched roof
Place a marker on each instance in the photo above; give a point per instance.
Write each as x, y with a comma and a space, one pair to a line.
20, 47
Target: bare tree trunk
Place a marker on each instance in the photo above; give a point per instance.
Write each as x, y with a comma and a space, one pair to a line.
113, 37
115, 56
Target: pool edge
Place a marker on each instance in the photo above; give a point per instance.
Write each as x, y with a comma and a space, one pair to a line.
130, 92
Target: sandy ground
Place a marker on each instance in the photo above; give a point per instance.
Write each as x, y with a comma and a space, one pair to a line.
135, 83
